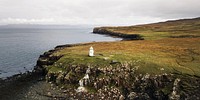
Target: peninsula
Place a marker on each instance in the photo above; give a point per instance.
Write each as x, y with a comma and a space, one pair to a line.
155, 61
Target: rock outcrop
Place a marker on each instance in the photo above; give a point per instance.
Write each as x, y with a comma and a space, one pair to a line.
123, 82
117, 81
102, 30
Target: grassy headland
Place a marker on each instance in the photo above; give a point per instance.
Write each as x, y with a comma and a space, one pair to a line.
173, 55
173, 46
169, 29
165, 48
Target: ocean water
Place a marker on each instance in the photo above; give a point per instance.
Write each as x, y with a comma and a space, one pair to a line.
20, 47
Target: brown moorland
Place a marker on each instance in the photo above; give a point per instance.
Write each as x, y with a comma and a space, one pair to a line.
169, 47
159, 61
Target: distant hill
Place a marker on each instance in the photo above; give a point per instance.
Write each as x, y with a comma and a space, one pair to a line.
173, 28
40, 26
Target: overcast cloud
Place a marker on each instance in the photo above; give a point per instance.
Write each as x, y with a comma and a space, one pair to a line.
102, 12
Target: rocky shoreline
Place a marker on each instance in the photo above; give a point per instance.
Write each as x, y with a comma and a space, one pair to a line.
119, 81
102, 30
122, 82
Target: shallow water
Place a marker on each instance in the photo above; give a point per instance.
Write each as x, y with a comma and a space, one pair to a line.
21, 47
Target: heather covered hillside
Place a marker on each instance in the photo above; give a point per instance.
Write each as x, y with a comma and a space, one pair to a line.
159, 61
185, 28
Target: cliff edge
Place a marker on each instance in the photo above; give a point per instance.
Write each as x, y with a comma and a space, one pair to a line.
163, 64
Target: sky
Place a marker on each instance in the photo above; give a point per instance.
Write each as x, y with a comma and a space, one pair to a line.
96, 12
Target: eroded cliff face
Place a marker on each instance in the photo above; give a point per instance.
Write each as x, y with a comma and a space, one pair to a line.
45, 60
118, 81
102, 30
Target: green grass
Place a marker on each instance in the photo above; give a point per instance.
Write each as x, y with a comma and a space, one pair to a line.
157, 54
56, 69
189, 27
152, 56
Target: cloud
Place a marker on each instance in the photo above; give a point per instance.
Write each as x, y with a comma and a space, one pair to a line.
104, 12
26, 21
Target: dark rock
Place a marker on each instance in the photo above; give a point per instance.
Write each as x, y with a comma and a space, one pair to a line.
159, 95
114, 62
102, 30
60, 78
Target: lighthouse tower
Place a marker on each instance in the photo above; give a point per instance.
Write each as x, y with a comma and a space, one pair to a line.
91, 52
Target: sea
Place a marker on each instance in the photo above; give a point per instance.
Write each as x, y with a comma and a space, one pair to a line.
21, 45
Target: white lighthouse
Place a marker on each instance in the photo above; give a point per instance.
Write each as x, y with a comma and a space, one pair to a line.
91, 52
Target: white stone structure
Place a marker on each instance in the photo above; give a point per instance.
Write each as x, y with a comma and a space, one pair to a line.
91, 52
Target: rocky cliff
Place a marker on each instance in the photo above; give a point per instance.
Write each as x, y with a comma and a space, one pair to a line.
117, 81
164, 66
102, 30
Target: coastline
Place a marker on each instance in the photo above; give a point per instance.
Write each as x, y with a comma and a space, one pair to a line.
111, 72
162, 82
102, 30
47, 59
166, 80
